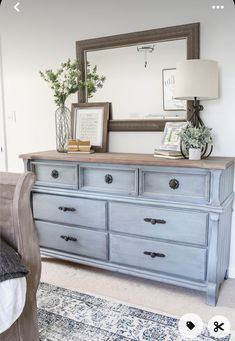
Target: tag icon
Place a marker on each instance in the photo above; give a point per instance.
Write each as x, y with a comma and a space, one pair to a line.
190, 325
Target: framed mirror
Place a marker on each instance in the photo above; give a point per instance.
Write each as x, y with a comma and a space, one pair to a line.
140, 68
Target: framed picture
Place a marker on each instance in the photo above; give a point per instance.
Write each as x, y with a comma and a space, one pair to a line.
171, 139
168, 86
90, 122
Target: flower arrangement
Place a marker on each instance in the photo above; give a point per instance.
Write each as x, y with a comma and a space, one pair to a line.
67, 80
193, 137
64, 82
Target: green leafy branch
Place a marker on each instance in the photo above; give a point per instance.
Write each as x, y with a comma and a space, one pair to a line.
67, 80
93, 80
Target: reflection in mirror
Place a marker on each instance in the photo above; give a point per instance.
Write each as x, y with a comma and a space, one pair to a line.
137, 99
134, 79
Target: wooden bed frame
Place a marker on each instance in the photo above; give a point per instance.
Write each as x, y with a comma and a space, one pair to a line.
17, 228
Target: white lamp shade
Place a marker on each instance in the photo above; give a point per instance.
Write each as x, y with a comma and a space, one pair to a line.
196, 78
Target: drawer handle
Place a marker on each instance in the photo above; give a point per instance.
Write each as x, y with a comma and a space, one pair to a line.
174, 183
55, 174
67, 238
154, 254
108, 178
154, 221
66, 209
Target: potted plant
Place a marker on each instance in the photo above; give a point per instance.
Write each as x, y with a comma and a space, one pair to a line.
194, 139
64, 82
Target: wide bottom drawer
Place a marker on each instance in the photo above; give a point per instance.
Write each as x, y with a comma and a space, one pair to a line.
72, 240
163, 257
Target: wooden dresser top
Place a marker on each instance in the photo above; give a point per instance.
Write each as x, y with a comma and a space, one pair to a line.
130, 158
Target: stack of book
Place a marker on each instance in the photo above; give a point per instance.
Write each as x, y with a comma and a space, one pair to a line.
79, 146
72, 146
168, 154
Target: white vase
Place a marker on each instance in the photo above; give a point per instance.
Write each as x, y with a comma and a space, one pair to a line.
194, 153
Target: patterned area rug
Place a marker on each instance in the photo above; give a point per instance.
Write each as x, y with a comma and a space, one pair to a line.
66, 315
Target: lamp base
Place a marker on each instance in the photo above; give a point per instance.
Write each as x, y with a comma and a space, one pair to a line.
195, 118
197, 122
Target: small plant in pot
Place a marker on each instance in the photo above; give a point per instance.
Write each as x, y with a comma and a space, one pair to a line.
195, 140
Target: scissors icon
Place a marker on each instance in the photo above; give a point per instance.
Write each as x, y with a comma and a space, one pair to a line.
218, 326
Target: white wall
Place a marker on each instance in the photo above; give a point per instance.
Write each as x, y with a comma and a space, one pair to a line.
44, 33
3, 154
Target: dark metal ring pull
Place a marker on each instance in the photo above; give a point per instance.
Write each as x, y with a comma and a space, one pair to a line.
154, 254
68, 238
66, 209
108, 178
55, 174
174, 183
154, 221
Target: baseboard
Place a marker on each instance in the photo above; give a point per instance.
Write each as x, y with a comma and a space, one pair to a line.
231, 272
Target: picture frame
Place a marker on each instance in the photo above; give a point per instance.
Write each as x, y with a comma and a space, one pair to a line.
171, 138
90, 122
168, 87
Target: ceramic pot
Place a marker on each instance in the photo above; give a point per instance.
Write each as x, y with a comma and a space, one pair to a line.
194, 153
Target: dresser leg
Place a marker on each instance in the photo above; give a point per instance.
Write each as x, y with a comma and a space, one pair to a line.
212, 294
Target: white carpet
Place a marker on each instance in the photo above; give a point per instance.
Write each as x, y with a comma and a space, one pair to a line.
157, 296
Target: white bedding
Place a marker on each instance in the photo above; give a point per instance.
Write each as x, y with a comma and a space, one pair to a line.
12, 301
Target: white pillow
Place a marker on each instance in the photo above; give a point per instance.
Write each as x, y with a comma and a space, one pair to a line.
12, 301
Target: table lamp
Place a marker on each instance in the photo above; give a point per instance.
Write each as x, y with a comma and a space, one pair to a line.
196, 79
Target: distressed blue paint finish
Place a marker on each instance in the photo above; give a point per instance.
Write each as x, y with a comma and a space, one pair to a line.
193, 187
124, 181
79, 211
65, 174
83, 242
169, 224
192, 228
226, 183
179, 260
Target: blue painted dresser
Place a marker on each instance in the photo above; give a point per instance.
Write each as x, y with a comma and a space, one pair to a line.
165, 220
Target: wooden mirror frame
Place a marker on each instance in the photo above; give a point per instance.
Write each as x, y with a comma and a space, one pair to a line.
190, 32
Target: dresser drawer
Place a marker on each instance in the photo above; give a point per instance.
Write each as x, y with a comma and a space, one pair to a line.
108, 179
172, 259
72, 240
56, 174
178, 185
75, 211
175, 225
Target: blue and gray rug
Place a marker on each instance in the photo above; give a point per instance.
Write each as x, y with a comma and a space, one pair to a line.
66, 315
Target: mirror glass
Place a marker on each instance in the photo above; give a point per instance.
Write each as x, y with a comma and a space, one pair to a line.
140, 79
140, 73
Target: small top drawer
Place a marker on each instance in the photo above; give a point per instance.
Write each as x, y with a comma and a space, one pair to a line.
109, 179
160, 223
63, 175
173, 184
